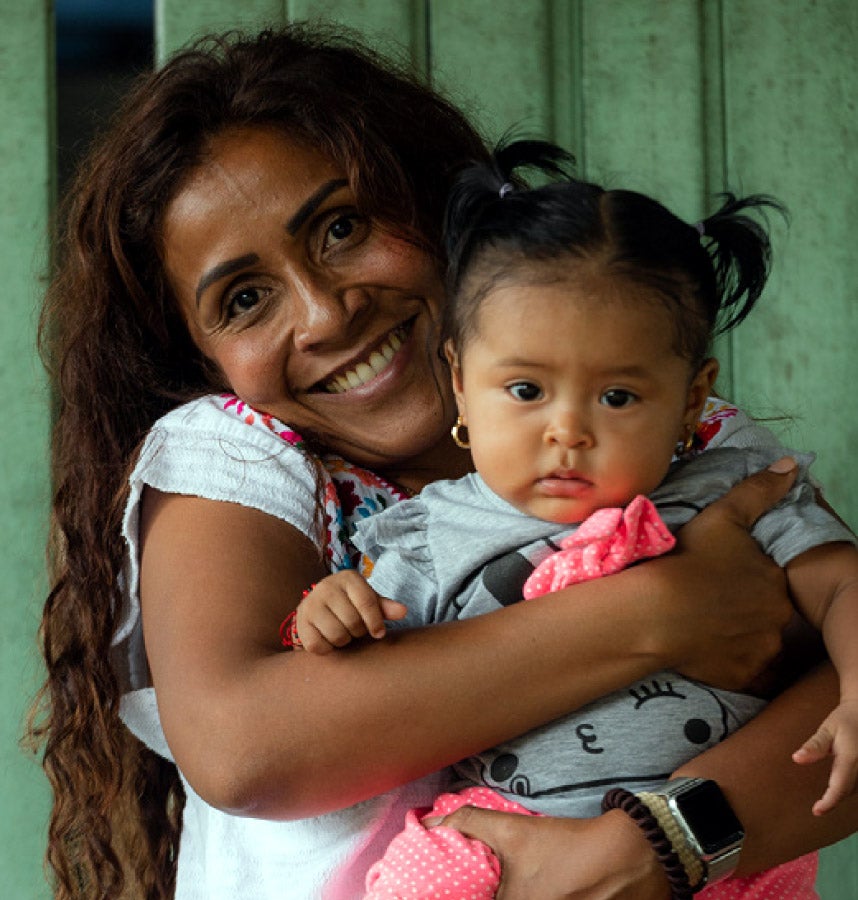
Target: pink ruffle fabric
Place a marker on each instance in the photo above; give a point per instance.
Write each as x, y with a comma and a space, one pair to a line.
603, 544
440, 863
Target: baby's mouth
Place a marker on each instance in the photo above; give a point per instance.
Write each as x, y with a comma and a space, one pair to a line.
370, 367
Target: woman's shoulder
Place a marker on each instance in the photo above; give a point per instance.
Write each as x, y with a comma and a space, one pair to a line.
221, 430
226, 415
218, 448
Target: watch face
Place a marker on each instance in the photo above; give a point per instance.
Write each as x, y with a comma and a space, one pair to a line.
709, 816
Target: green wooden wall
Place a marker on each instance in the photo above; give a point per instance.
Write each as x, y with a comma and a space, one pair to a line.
26, 70
681, 98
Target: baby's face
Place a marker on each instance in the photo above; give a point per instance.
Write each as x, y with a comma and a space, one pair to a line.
574, 398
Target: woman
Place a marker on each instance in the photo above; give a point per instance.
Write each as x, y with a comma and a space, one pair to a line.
263, 218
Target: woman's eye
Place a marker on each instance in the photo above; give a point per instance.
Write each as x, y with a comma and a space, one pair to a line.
339, 230
617, 398
243, 301
525, 390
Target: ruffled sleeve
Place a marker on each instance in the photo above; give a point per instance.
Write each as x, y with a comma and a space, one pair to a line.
397, 561
204, 449
219, 449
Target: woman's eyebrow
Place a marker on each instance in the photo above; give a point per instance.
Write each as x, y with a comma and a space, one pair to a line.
312, 203
221, 270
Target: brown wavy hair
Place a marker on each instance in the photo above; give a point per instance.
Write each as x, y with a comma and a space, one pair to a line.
120, 357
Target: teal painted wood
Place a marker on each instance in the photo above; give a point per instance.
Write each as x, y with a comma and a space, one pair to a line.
177, 23
791, 88
396, 28
25, 187
642, 87
493, 57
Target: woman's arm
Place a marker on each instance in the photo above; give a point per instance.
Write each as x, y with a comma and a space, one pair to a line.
608, 857
772, 796
266, 733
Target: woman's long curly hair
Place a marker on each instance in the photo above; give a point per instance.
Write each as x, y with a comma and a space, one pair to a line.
119, 356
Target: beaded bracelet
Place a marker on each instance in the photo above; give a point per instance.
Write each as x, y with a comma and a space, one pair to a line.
691, 862
289, 626
677, 875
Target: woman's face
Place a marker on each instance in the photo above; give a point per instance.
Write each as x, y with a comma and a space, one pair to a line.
312, 312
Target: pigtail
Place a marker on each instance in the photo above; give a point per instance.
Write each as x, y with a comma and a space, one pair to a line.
739, 248
481, 205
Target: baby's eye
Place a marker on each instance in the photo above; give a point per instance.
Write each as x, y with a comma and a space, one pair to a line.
243, 301
617, 398
525, 390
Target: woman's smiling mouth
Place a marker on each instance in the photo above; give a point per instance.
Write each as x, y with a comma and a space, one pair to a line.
372, 366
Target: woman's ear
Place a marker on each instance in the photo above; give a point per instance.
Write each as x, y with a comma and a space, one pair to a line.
452, 356
699, 389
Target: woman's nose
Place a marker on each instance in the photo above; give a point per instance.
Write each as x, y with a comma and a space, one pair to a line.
324, 312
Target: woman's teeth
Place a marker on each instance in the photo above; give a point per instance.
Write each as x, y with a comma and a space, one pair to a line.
366, 370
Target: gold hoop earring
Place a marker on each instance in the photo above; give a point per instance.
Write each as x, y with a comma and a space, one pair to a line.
455, 431
685, 446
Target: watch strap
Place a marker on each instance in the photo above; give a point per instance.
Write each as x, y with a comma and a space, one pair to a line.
640, 814
662, 813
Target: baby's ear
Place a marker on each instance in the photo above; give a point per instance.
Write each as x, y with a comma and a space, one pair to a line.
452, 356
700, 388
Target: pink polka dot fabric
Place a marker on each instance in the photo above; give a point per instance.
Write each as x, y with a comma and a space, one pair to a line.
440, 863
606, 542
791, 881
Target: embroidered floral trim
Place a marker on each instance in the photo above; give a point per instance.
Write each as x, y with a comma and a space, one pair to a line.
249, 416
349, 493
715, 413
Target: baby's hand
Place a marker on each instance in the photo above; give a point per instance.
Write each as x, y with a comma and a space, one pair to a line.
340, 608
837, 736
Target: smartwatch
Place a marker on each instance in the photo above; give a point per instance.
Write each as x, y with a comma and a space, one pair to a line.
706, 820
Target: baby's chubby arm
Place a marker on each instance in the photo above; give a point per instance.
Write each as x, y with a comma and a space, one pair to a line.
341, 608
824, 585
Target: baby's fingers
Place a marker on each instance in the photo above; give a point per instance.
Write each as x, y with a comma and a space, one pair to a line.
392, 610
367, 612
321, 631
840, 785
814, 748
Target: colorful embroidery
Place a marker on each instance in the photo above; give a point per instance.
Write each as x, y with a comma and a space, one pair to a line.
715, 413
361, 494
238, 406
349, 493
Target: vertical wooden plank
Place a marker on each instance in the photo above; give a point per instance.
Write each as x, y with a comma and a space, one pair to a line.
791, 89
493, 58
642, 83
395, 27
26, 71
566, 77
178, 23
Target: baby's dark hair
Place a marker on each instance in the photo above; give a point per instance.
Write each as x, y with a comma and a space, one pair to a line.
710, 275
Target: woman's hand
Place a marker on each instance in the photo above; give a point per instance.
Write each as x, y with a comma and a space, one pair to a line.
605, 858
733, 628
